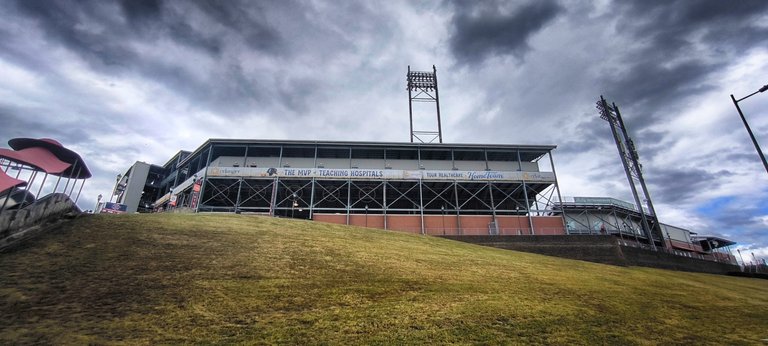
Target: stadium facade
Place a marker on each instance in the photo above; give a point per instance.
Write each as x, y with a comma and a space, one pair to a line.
459, 189
435, 189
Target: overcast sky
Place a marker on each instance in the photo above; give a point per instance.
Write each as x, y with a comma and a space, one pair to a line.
130, 81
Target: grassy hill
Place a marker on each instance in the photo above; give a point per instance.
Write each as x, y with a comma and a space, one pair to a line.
164, 278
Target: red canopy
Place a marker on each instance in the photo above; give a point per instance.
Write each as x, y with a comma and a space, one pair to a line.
78, 168
7, 182
37, 157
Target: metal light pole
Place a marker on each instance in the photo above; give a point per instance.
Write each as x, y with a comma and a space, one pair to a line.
743, 265
749, 130
755, 259
98, 203
366, 216
114, 191
295, 204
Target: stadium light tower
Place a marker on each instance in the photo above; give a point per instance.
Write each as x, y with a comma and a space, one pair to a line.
749, 130
422, 87
632, 167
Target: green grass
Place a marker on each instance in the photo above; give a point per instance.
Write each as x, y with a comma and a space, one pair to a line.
212, 279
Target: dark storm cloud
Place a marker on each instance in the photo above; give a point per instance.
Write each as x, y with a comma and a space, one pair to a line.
481, 29
65, 23
587, 136
141, 10
673, 185
17, 122
675, 48
103, 34
254, 29
650, 86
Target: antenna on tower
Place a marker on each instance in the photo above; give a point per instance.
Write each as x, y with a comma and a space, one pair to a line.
422, 87
632, 167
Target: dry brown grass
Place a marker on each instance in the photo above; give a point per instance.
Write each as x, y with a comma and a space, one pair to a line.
149, 279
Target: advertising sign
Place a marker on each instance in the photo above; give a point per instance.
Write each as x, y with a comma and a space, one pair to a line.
380, 174
195, 196
114, 208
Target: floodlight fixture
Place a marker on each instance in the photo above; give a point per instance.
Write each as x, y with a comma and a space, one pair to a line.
422, 87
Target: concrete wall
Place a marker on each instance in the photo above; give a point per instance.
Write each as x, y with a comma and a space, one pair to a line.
16, 225
598, 248
646, 258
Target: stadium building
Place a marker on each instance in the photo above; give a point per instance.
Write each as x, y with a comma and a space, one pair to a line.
421, 187
459, 189
610, 216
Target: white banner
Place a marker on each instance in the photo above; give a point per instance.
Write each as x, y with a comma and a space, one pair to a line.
380, 174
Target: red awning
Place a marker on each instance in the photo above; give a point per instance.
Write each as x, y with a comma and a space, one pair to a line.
37, 157
78, 168
7, 182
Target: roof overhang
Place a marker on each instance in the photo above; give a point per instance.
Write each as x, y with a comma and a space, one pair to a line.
78, 168
540, 150
714, 240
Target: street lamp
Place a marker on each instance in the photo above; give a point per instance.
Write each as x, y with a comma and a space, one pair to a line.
114, 191
295, 204
755, 259
98, 203
749, 130
366, 215
743, 265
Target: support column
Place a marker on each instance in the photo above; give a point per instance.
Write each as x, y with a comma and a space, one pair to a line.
458, 207
237, 199
312, 200
72, 190
385, 203
205, 180
273, 197
70, 176
559, 197
41, 185
57, 185
421, 207
528, 207
349, 197
79, 191
493, 206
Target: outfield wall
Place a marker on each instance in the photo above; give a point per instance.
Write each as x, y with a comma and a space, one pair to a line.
450, 224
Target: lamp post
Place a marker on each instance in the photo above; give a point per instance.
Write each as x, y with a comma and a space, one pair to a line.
114, 191
743, 265
98, 203
749, 130
755, 259
366, 216
295, 204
